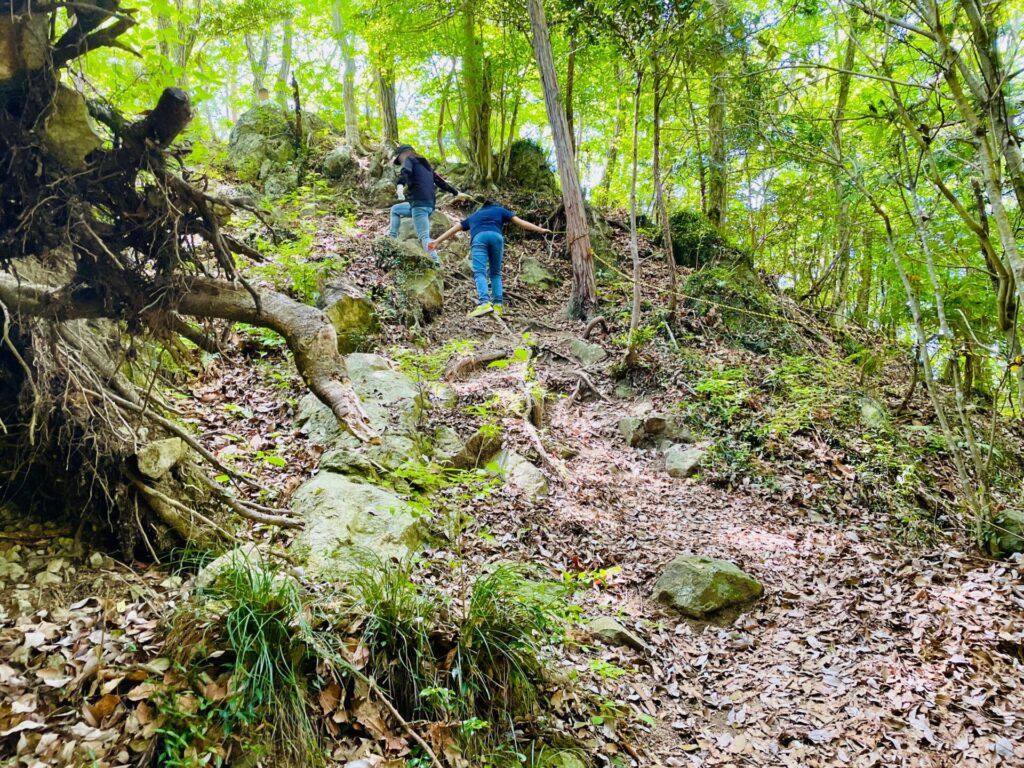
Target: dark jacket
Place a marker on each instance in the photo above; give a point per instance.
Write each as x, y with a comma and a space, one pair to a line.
419, 181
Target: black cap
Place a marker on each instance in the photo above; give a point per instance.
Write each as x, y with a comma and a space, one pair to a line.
398, 152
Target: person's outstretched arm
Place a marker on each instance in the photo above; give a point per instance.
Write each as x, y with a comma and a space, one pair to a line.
523, 224
432, 245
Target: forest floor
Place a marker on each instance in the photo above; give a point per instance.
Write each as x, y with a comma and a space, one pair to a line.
864, 651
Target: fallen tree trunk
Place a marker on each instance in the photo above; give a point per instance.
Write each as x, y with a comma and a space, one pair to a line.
309, 334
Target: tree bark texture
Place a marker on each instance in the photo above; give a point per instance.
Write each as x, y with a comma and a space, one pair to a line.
583, 298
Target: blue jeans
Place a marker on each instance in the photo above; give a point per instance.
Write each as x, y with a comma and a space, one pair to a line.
486, 251
420, 211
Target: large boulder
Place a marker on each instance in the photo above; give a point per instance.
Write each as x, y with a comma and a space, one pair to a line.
339, 164
351, 313
67, 131
344, 517
438, 224
261, 144
419, 286
529, 169
696, 585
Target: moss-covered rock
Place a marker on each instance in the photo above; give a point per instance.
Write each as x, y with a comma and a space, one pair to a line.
529, 169
351, 313
1007, 533
344, 516
67, 132
696, 243
696, 585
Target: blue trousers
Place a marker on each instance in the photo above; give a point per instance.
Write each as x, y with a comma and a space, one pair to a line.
487, 251
420, 212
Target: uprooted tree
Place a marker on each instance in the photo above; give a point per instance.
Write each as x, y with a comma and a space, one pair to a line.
105, 243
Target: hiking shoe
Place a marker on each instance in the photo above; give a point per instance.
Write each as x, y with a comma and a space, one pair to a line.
481, 310
499, 309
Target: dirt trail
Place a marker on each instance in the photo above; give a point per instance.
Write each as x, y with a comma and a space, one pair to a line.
864, 651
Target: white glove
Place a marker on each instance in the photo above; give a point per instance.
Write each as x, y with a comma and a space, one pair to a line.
400, 192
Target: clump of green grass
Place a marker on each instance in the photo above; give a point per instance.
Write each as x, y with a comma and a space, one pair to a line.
250, 613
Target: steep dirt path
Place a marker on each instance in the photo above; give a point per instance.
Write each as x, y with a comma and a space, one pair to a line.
863, 651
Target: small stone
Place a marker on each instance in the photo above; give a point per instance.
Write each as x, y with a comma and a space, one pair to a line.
158, 458
587, 353
611, 632
697, 585
632, 430
485, 442
1007, 534
520, 474
682, 461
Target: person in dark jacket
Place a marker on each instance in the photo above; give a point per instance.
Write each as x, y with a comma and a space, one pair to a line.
487, 249
416, 187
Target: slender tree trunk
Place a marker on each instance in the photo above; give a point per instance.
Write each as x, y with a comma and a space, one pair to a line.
701, 166
611, 154
866, 272
258, 51
284, 71
384, 75
477, 85
632, 348
348, 83
842, 254
583, 298
570, 85
659, 188
718, 103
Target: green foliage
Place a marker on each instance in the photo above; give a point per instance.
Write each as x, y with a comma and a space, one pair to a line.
255, 613
429, 366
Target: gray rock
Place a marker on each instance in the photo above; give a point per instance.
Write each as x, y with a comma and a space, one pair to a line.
438, 224
246, 556
382, 193
1007, 533
351, 313
391, 400
344, 516
696, 585
158, 458
262, 145
339, 164
632, 430
483, 443
521, 475
611, 632
587, 353
872, 413
683, 461
424, 293
535, 274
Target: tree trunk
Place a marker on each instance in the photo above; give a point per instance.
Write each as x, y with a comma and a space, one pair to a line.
701, 165
632, 346
384, 76
718, 103
258, 51
659, 188
348, 87
284, 69
476, 82
570, 84
866, 272
842, 253
611, 154
583, 298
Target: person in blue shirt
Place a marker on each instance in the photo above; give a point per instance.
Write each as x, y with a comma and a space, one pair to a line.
487, 248
416, 187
